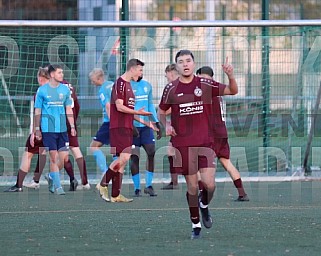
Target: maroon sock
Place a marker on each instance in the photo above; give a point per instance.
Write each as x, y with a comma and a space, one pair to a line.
116, 187
82, 169
109, 174
171, 164
39, 168
69, 170
239, 185
207, 196
20, 177
192, 201
200, 185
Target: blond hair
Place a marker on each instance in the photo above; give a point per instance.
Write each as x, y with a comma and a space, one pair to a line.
170, 68
43, 72
96, 72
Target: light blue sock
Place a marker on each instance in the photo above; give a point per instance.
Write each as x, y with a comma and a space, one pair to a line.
55, 176
100, 160
136, 180
149, 178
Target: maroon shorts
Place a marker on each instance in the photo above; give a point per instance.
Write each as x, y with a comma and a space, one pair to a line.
222, 148
188, 160
121, 140
73, 140
38, 146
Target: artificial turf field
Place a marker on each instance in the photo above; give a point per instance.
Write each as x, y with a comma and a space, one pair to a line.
282, 218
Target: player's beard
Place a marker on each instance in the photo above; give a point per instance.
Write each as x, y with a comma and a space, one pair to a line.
58, 81
139, 78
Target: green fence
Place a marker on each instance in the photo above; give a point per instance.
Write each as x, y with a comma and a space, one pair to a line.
277, 69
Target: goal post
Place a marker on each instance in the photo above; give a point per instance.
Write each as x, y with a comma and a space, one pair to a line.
13, 110
292, 74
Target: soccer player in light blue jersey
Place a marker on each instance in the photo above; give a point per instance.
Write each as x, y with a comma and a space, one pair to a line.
97, 78
52, 106
144, 99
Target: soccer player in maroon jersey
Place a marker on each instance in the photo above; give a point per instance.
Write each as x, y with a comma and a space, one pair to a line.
121, 129
74, 146
221, 145
171, 75
190, 99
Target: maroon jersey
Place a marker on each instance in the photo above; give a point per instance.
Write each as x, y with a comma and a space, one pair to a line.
219, 126
192, 110
75, 103
121, 90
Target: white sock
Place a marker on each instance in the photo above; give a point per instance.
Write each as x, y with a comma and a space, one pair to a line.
198, 225
203, 205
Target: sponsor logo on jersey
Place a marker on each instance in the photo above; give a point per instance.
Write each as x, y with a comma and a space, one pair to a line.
191, 108
131, 102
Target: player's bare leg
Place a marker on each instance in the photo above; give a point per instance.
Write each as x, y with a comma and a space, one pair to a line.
236, 177
23, 171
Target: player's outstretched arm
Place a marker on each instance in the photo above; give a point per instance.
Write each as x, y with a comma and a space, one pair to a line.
122, 108
142, 112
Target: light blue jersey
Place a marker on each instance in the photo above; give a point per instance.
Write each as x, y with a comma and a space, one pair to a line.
104, 95
144, 98
52, 101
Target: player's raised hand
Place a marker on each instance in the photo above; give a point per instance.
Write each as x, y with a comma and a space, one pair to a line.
228, 69
142, 112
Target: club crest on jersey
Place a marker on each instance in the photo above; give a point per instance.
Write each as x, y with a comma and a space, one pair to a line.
61, 96
145, 89
198, 92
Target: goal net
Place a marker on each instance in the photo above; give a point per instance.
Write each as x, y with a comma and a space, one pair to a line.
277, 69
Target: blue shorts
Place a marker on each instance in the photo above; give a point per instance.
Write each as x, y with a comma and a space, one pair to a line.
146, 136
103, 134
56, 140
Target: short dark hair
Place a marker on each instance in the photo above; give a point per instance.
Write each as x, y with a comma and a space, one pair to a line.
134, 62
205, 70
53, 67
170, 68
183, 52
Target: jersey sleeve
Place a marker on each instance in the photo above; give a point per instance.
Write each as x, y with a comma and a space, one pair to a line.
120, 90
76, 107
105, 95
151, 106
108, 94
68, 101
165, 100
38, 99
102, 98
219, 89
